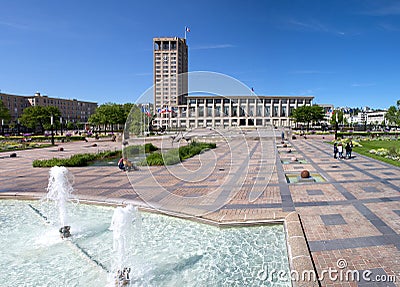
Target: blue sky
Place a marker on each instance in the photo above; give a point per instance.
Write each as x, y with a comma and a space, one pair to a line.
344, 52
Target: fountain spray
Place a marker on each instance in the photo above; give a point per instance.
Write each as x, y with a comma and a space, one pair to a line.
60, 190
121, 225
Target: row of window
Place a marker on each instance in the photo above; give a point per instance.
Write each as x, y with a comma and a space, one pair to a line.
223, 122
241, 112
249, 101
165, 81
165, 56
165, 46
166, 71
159, 93
165, 76
165, 61
165, 67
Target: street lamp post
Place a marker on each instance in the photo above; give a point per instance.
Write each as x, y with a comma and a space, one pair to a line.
2, 126
336, 125
52, 129
61, 126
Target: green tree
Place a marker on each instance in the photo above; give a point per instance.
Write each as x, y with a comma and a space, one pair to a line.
70, 126
134, 121
393, 115
308, 114
4, 112
337, 117
39, 118
111, 114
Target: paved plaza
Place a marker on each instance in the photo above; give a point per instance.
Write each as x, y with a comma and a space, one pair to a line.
350, 219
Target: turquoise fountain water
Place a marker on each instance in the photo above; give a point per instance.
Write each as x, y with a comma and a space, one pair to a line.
169, 251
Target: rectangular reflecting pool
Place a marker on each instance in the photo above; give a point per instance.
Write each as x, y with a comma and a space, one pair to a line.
296, 178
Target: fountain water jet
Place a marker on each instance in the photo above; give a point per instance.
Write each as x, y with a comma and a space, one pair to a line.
121, 225
60, 191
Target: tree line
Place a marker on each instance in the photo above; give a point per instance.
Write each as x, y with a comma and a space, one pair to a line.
393, 114
107, 117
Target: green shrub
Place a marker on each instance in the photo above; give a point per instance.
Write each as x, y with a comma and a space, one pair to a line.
133, 150
75, 160
174, 156
149, 147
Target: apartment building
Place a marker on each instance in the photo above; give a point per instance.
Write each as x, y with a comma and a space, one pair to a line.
71, 109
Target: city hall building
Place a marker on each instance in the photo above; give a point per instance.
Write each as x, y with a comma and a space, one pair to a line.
178, 109
231, 111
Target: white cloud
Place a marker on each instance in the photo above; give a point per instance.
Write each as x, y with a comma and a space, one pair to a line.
305, 72
212, 46
14, 25
389, 27
362, 84
383, 9
313, 25
309, 72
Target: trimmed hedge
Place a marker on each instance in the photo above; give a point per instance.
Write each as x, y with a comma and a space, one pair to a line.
175, 156
75, 160
367, 133
130, 151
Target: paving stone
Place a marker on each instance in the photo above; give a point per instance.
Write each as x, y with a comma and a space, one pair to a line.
370, 189
389, 173
314, 192
369, 278
348, 175
333, 219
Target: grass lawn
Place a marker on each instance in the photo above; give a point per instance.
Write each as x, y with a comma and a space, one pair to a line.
376, 144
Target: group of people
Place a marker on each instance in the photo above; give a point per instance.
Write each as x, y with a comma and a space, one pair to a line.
338, 150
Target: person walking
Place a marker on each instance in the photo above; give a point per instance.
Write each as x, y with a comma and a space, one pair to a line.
351, 148
340, 150
335, 150
347, 148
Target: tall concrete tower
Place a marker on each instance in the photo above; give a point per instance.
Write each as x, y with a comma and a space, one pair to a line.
170, 72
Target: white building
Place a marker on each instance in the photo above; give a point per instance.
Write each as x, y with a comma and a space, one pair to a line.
372, 118
227, 111
376, 118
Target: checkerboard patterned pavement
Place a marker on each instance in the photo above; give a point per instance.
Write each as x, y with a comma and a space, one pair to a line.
353, 216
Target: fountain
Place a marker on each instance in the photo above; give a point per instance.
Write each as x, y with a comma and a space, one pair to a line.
121, 225
305, 174
60, 191
168, 251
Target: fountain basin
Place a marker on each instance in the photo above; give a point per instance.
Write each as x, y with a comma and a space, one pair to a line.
288, 161
167, 251
296, 178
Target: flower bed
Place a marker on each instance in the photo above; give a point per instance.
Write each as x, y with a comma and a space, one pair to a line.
384, 150
14, 145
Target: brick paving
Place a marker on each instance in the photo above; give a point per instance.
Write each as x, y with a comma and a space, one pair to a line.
354, 215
